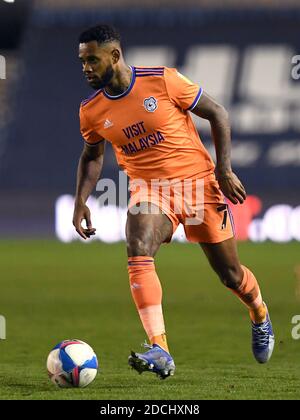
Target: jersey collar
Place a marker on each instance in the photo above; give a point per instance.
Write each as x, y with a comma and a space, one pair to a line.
126, 91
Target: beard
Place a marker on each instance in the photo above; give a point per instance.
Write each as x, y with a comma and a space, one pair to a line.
98, 83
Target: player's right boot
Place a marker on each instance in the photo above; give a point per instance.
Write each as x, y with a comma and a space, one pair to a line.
155, 360
263, 340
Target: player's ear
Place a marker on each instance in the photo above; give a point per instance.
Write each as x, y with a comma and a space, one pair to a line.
116, 54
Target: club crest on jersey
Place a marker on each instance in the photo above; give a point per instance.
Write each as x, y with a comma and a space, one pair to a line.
150, 104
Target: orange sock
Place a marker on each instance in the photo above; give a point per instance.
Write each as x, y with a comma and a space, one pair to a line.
147, 294
161, 340
249, 293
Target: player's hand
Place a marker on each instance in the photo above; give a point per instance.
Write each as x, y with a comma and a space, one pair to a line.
232, 187
82, 212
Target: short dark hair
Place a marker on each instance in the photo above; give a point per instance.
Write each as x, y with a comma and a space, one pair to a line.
101, 34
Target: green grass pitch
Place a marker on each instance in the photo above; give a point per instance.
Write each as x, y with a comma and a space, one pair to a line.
52, 291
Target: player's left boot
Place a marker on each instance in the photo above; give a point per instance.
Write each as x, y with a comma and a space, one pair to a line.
263, 340
155, 360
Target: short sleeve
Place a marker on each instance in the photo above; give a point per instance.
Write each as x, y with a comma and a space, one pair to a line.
90, 136
181, 90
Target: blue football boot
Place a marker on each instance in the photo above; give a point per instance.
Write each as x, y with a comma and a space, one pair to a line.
155, 360
263, 340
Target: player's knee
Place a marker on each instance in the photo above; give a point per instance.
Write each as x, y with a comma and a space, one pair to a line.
231, 276
140, 245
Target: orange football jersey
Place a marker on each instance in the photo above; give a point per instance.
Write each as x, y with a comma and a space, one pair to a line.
149, 125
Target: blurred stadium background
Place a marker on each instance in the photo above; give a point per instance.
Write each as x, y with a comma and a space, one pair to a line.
240, 52
243, 52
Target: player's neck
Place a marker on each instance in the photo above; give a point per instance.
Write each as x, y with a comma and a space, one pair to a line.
121, 80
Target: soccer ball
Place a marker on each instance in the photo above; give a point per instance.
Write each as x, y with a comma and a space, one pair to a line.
72, 363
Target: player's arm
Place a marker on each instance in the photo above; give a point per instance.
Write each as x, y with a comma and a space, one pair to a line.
217, 115
88, 174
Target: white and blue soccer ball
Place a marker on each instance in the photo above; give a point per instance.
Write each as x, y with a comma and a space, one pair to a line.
72, 363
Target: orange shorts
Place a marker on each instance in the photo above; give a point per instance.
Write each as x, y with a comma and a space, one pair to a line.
196, 203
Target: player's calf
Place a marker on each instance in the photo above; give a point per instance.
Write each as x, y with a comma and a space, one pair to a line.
231, 276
